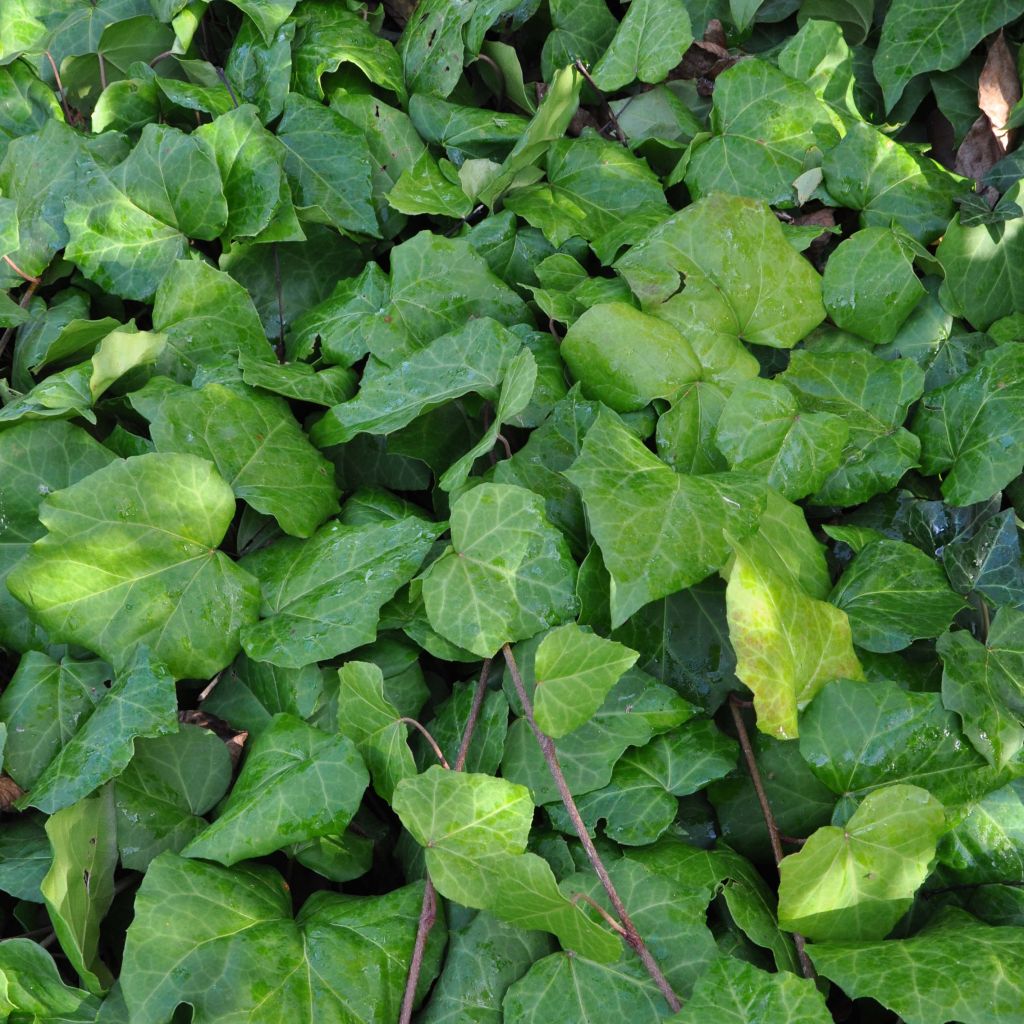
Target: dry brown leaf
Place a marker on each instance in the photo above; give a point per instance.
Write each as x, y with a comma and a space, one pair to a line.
10, 791
999, 88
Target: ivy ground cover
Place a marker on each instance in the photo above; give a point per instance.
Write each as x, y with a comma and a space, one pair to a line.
509, 512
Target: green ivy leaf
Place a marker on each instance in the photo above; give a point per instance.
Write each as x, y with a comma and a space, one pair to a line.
254, 442
474, 358
135, 543
984, 684
855, 882
888, 183
574, 671
858, 737
371, 721
872, 395
626, 358
322, 597
916, 38
926, 980
788, 645
972, 429
328, 164
297, 783
893, 594
767, 130
474, 828
141, 703
658, 531
761, 430
31, 983
748, 284
192, 917
649, 42
171, 781
79, 887
733, 992
869, 285
507, 575
35, 459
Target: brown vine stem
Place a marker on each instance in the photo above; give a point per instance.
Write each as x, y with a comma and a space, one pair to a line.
60, 88
619, 133
21, 273
547, 746
736, 704
425, 733
428, 909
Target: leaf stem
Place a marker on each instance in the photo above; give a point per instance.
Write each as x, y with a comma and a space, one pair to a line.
735, 706
60, 88
21, 273
280, 305
425, 733
26, 298
547, 746
428, 909
619, 133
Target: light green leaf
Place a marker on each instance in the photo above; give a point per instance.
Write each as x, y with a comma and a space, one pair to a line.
788, 645
626, 358
854, 883
748, 284
30, 982
889, 184
224, 941
982, 264
329, 386
328, 164
484, 957
116, 243
547, 124
79, 887
423, 188
595, 189
574, 671
926, 979
322, 597
767, 130
869, 286
254, 442
984, 684
267, 15
507, 576
249, 161
474, 358
972, 430
916, 38
859, 737
35, 459
174, 178
649, 42
761, 430
371, 721
733, 992
328, 36
171, 781
474, 830
685, 435
130, 558
209, 319
140, 703
658, 531
296, 783
872, 395
259, 69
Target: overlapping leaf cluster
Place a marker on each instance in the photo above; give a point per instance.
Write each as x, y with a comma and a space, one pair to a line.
665, 350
